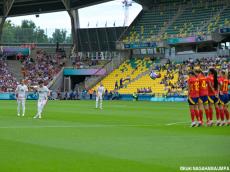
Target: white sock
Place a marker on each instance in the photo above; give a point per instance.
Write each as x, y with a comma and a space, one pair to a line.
96, 103
18, 109
23, 108
101, 104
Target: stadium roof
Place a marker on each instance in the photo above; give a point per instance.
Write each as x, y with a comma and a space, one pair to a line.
26, 7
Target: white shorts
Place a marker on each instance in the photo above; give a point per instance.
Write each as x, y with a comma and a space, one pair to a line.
21, 101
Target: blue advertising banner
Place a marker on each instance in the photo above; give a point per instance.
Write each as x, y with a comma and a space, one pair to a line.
12, 51
11, 96
225, 30
140, 45
69, 72
191, 39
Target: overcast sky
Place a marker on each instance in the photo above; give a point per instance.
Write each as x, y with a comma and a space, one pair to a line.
109, 12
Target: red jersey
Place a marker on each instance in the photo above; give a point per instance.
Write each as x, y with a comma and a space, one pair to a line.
210, 80
224, 85
193, 84
203, 85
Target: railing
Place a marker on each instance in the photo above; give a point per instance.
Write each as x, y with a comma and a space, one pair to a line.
184, 57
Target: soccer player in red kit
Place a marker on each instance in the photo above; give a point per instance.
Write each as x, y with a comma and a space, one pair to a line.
213, 94
223, 82
193, 96
203, 95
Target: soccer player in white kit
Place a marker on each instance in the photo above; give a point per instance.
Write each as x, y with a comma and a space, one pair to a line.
43, 93
99, 96
21, 93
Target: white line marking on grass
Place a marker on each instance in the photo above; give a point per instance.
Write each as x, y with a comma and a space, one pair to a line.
176, 123
74, 126
91, 126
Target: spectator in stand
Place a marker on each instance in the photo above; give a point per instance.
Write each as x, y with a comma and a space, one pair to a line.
106, 95
121, 82
90, 94
72, 95
144, 90
19, 56
116, 85
135, 96
110, 95
115, 96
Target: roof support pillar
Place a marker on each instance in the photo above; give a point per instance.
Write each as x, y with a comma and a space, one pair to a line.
74, 18
2, 21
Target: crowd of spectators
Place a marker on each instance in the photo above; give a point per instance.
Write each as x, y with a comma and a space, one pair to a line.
122, 81
112, 95
44, 67
144, 90
76, 94
8, 83
180, 87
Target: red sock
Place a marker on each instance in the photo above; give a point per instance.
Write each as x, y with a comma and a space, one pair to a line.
226, 114
210, 113
192, 114
207, 114
197, 115
201, 115
217, 113
222, 114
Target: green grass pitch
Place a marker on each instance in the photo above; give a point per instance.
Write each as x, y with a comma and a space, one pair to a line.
73, 136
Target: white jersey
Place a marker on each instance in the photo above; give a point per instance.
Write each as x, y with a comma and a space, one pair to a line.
43, 93
100, 90
21, 91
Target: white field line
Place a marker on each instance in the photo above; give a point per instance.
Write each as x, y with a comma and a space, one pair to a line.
75, 126
176, 123
90, 126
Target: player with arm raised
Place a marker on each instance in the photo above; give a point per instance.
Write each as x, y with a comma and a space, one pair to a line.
43, 93
99, 96
21, 93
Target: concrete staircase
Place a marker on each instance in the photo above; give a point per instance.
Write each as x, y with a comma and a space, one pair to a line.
14, 67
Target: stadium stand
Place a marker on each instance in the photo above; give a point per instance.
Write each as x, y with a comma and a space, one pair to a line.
196, 19
127, 71
45, 67
8, 83
178, 19
172, 80
156, 85
98, 39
